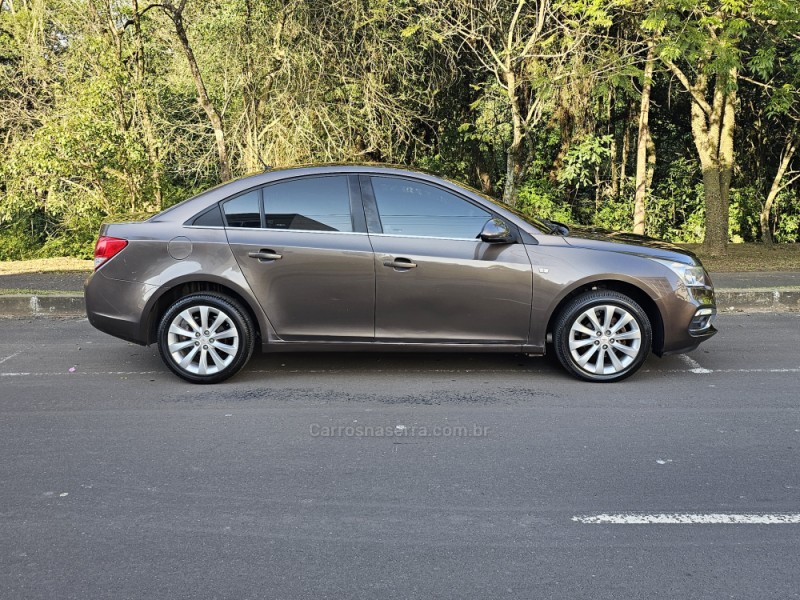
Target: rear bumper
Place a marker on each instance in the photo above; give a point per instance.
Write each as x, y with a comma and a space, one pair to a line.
116, 307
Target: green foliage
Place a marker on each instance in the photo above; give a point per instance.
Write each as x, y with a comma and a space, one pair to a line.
539, 198
787, 221
583, 159
615, 214
21, 236
101, 122
745, 206
676, 207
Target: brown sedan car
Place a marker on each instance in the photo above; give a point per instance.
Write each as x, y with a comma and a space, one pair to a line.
375, 258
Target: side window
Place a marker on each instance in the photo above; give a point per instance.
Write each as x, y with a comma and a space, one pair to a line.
310, 204
211, 217
413, 208
243, 211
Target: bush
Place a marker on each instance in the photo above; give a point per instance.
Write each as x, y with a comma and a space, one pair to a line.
539, 198
676, 208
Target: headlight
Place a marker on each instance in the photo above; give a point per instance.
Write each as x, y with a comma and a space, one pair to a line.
692, 276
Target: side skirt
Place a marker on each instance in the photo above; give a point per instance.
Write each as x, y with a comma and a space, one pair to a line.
283, 346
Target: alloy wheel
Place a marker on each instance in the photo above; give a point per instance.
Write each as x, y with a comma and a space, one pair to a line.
605, 339
202, 340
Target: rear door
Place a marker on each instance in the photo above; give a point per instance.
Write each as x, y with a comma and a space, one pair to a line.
302, 244
436, 281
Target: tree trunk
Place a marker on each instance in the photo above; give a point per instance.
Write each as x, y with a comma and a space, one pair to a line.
613, 149
775, 188
150, 137
514, 155
482, 171
626, 148
614, 167
176, 14
514, 170
651, 162
712, 130
713, 133
598, 198
639, 208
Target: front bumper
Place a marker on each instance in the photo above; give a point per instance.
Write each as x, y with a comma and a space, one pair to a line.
689, 319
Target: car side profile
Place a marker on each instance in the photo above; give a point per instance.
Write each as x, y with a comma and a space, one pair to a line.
365, 258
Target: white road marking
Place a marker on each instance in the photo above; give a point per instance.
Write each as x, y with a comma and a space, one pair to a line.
690, 519
8, 357
61, 374
694, 366
787, 370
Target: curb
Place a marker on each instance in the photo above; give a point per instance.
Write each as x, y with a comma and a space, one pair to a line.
66, 305
72, 305
764, 299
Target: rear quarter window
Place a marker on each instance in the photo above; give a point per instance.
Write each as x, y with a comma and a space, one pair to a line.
211, 217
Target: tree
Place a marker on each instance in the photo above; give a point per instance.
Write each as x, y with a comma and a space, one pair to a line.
772, 70
176, 15
700, 45
526, 48
113, 107
643, 143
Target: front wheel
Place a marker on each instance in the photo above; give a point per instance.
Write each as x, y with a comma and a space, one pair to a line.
205, 338
602, 335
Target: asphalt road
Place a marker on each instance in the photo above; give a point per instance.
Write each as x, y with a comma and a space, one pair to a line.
119, 481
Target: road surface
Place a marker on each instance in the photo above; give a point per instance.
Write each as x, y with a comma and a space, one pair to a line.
398, 476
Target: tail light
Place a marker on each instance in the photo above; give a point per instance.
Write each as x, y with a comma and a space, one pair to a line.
105, 248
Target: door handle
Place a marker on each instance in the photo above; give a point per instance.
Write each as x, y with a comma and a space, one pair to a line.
265, 255
400, 263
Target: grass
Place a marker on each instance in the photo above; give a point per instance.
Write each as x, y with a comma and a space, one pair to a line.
751, 257
30, 292
45, 265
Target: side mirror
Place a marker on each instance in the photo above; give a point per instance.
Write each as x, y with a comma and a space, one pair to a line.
495, 231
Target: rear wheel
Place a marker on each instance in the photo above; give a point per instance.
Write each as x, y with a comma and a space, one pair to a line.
602, 335
205, 338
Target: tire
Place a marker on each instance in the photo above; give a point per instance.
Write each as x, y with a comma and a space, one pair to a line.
205, 337
583, 344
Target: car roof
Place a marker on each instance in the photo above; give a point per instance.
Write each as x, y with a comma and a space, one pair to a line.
203, 200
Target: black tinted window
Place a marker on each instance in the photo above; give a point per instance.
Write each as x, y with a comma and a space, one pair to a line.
311, 203
413, 208
210, 218
243, 211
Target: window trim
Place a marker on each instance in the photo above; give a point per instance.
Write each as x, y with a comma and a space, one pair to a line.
357, 211
354, 202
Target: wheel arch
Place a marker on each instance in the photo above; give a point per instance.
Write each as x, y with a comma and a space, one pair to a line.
159, 305
636, 293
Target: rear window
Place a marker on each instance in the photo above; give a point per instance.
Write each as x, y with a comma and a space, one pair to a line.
310, 204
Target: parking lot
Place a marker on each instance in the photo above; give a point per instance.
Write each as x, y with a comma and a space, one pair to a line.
399, 475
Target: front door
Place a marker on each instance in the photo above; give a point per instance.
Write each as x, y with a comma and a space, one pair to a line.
436, 281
